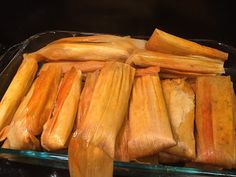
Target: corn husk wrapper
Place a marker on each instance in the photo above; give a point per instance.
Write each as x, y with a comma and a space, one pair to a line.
121, 152
186, 64
110, 97
88, 160
215, 131
166, 43
16, 91
85, 67
30, 120
86, 97
97, 48
180, 101
138, 43
19, 114
149, 125
91, 149
57, 130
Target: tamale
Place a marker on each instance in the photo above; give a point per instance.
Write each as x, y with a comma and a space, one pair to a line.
166, 43
91, 149
16, 91
118, 50
121, 152
215, 131
86, 96
87, 160
180, 102
22, 132
193, 64
108, 107
149, 125
85, 67
138, 43
57, 130
19, 114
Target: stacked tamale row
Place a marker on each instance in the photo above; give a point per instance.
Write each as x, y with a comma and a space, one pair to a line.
108, 97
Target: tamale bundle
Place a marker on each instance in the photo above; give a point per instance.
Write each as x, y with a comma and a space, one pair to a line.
138, 43
22, 132
149, 125
180, 102
100, 121
21, 110
166, 43
110, 97
57, 130
186, 64
215, 129
103, 48
16, 91
86, 96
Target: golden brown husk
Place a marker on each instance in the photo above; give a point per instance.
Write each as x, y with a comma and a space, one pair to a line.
121, 152
109, 104
166, 43
22, 132
57, 130
86, 97
91, 149
215, 129
150, 130
16, 91
186, 64
180, 101
87, 160
105, 48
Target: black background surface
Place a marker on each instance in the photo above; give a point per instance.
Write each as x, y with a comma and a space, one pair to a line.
205, 19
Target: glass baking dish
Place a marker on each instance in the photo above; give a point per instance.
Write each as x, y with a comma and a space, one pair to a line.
10, 62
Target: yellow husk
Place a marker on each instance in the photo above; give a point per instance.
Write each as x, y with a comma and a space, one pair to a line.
109, 104
215, 124
163, 42
100, 116
86, 96
87, 160
57, 130
186, 64
150, 130
180, 101
16, 91
121, 152
22, 132
98, 48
